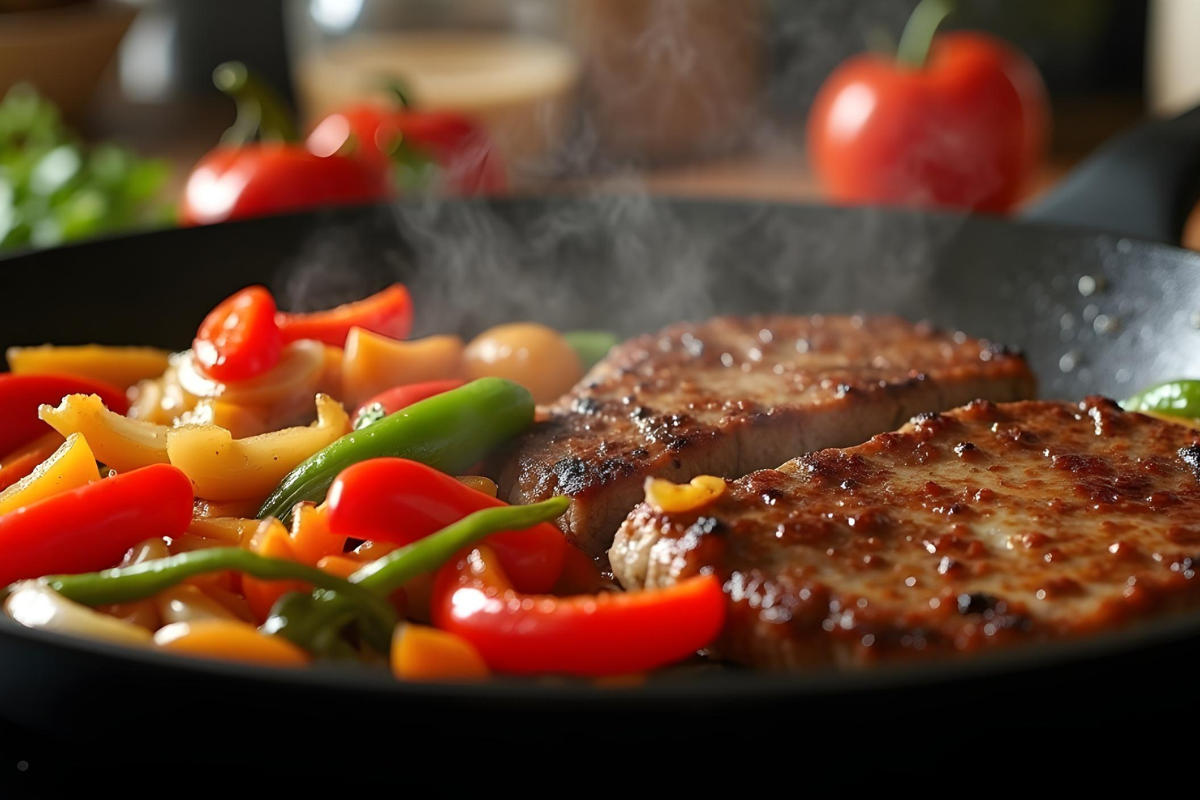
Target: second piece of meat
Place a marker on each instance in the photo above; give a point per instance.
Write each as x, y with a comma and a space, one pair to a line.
738, 394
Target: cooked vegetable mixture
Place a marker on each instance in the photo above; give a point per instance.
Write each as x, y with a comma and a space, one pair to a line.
304, 486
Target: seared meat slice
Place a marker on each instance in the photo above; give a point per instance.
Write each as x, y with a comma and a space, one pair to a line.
984, 526
733, 395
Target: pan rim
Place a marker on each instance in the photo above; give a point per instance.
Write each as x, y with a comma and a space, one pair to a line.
347, 211
724, 686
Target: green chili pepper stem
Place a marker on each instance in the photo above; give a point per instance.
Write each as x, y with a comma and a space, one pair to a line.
591, 346
449, 432
917, 38
372, 414
261, 113
137, 582
396, 88
386, 574
1174, 399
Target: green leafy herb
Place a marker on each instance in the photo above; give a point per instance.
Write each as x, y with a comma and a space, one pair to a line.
53, 189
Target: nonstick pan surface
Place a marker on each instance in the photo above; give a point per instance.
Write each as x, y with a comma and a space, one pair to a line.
1095, 312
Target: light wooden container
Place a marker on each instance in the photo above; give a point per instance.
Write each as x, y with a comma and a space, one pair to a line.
63, 52
669, 80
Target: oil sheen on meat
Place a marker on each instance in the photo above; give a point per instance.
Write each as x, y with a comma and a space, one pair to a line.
733, 395
985, 526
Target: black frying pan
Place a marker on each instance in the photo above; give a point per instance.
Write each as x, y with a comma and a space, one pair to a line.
1096, 312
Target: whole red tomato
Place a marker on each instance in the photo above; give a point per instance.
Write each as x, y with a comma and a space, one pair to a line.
462, 151
967, 130
273, 178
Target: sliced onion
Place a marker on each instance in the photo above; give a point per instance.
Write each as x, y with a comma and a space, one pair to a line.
36, 605
186, 603
297, 373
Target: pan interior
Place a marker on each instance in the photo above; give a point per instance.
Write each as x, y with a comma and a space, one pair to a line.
1094, 313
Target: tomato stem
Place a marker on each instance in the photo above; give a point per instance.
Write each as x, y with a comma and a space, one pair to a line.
261, 113
399, 92
918, 33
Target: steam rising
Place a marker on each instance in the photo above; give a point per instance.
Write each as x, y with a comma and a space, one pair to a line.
611, 247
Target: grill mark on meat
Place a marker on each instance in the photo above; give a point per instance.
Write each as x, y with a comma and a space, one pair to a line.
881, 552
734, 395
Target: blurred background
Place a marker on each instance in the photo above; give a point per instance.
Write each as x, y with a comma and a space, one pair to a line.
699, 97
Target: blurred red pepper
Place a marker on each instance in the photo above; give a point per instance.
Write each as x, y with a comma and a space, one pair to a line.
613, 633
25, 459
960, 120
20, 396
242, 178
90, 528
464, 155
400, 501
388, 313
239, 338
400, 397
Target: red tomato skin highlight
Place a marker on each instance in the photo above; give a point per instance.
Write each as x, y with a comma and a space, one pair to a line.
232, 183
967, 131
462, 149
239, 339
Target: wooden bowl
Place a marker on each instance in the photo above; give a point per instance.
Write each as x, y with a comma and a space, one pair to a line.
63, 50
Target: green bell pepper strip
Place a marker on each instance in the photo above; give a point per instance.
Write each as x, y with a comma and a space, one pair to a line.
374, 413
591, 346
386, 574
313, 621
450, 432
137, 582
1172, 399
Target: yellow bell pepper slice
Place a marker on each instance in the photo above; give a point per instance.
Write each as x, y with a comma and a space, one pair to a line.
680, 498
71, 466
480, 484
118, 442
232, 640
373, 363
223, 468
120, 366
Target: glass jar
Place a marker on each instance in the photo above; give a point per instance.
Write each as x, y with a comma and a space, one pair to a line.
506, 63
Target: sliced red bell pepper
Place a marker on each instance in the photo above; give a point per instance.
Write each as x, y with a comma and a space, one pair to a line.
400, 397
388, 313
20, 396
239, 338
400, 501
90, 528
595, 635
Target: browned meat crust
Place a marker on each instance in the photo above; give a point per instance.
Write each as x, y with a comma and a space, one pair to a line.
733, 395
981, 527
